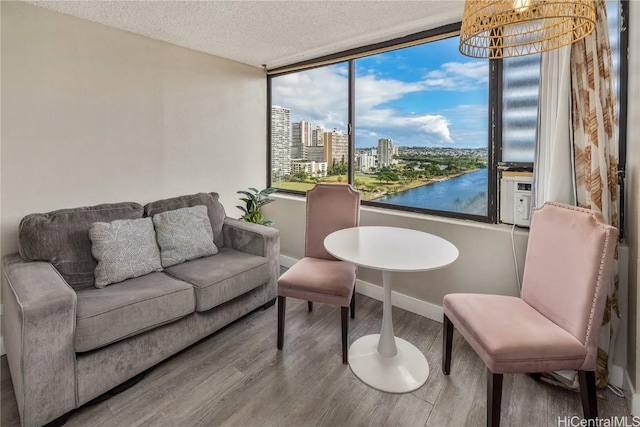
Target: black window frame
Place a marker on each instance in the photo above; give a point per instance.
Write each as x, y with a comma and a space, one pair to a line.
495, 165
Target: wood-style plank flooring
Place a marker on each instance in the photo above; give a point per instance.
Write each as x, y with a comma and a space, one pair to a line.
236, 377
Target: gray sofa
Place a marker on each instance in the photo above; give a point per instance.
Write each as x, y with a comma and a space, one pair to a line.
68, 342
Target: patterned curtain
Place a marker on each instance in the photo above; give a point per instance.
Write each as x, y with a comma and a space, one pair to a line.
595, 140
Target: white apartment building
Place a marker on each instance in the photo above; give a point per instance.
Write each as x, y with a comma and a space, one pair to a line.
316, 169
366, 162
317, 136
385, 152
280, 141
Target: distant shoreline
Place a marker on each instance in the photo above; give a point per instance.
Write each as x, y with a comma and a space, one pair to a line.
429, 182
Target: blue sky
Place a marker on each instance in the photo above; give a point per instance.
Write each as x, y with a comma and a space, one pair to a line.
427, 95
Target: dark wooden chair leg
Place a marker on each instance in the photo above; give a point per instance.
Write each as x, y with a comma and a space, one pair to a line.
494, 398
282, 305
345, 334
447, 341
353, 305
310, 305
588, 394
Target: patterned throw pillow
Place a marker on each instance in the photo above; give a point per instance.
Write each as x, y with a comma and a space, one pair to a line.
124, 249
184, 234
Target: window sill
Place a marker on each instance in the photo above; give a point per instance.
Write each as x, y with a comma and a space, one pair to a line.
422, 217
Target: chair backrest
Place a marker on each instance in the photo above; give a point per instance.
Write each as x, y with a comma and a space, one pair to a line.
568, 268
330, 207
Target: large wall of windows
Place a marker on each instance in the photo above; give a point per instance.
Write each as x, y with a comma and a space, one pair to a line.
419, 133
409, 126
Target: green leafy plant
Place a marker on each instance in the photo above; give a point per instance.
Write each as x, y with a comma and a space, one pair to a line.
254, 200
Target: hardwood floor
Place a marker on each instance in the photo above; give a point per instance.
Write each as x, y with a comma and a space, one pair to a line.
237, 378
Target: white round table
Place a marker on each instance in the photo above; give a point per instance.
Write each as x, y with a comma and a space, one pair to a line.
383, 361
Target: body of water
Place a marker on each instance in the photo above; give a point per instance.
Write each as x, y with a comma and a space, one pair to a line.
465, 194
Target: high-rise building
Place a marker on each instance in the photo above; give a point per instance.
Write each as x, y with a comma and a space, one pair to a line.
280, 142
301, 139
385, 152
336, 146
316, 154
317, 137
366, 162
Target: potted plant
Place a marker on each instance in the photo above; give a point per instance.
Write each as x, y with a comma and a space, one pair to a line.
254, 200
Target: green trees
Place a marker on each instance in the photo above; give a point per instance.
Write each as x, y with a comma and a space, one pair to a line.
439, 165
410, 174
338, 168
386, 174
301, 175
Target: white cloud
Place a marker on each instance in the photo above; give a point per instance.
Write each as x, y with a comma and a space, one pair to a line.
371, 91
320, 95
458, 75
432, 128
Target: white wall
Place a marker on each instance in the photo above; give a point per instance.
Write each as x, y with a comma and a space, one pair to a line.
92, 115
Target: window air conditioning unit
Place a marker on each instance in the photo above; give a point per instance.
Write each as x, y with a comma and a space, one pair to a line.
515, 199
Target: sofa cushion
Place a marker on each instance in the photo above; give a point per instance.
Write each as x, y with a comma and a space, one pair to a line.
124, 248
222, 277
215, 211
184, 234
128, 308
62, 238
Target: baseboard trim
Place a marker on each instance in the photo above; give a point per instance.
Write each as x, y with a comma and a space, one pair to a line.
405, 302
633, 398
617, 376
287, 261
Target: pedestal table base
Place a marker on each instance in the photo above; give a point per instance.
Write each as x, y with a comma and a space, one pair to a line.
405, 372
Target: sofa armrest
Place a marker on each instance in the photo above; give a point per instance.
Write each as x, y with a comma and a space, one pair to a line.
256, 239
38, 327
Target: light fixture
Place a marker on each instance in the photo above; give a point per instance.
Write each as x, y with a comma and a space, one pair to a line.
506, 28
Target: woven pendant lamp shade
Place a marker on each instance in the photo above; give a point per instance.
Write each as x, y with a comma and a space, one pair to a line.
507, 28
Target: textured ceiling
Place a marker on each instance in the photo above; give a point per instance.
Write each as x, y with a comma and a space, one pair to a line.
274, 33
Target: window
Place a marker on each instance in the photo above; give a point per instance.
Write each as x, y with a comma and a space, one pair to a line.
520, 90
418, 138
520, 83
421, 121
309, 127
407, 122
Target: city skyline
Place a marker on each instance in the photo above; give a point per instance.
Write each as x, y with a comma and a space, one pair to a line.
299, 146
373, 146
425, 95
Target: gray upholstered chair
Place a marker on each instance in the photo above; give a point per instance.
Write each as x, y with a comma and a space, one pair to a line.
319, 277
555, 323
